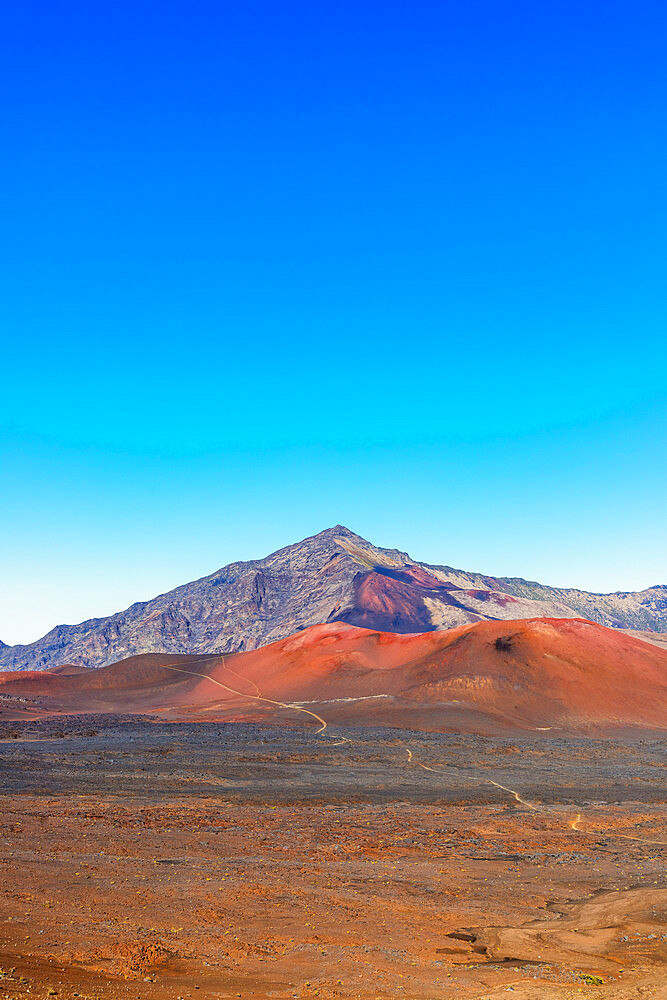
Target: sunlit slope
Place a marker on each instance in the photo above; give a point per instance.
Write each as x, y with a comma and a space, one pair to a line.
536, 674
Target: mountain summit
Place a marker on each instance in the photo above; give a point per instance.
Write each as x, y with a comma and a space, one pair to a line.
335, 575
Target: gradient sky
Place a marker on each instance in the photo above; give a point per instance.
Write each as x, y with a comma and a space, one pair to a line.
268, 267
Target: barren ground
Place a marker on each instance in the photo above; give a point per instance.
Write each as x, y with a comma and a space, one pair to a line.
142, 859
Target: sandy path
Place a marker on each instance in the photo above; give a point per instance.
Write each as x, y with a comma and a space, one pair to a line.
573, 824
252, 697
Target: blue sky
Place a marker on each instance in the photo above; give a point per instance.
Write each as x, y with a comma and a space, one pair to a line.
270, 267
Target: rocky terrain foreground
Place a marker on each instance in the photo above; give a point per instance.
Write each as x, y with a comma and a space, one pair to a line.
144, 860
333, 576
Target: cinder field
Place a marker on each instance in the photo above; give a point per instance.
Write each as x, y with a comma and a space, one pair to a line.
144, 859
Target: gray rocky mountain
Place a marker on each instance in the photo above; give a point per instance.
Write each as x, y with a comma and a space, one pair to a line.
335, 575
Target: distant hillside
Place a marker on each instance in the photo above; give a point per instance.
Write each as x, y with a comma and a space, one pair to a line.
333, 576
537, 675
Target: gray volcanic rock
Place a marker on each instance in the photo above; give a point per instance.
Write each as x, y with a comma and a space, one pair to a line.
333, 576
655, 638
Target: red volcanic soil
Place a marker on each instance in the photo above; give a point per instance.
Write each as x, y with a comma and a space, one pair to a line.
394, 599
532, 674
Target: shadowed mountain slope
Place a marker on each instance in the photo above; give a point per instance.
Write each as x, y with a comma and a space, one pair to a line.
567, 675
333, 576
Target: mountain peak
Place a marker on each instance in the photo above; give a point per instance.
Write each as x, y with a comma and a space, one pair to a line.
337, 529
333, 576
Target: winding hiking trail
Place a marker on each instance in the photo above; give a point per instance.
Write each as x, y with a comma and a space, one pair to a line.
234, 674
342, 739
323, 724
513, 792
573, 824
488, 781
242, 694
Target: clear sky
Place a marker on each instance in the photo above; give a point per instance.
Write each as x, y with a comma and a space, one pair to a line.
267, 267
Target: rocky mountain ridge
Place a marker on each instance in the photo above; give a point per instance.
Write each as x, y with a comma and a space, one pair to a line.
335, 575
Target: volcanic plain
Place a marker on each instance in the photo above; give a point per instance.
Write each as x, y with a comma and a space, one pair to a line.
384, 839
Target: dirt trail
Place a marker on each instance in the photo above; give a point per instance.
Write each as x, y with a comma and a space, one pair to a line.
253, 697
234, 674
489, 781
513, 792
573, 824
